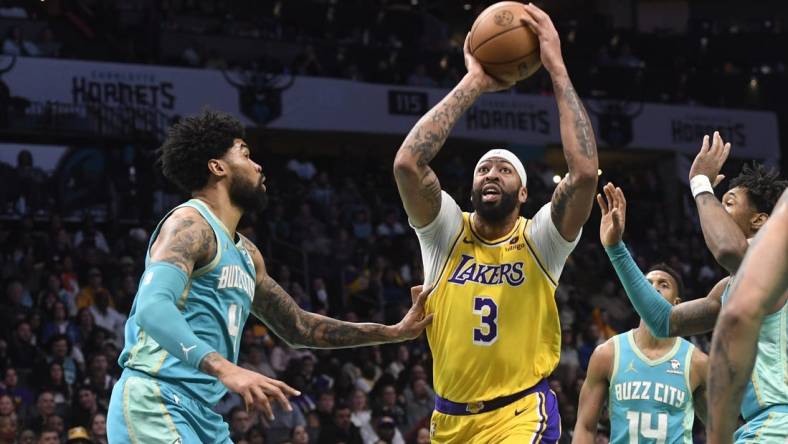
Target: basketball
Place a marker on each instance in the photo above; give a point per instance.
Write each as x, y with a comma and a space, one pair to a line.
504, 45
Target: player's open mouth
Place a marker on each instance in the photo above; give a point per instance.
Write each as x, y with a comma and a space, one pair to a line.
490, 193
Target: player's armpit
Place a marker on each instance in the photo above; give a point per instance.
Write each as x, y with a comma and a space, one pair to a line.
185, 240
698, 316
593, 394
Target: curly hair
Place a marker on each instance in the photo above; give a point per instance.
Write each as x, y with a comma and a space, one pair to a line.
192, 142
764, 186
673, 273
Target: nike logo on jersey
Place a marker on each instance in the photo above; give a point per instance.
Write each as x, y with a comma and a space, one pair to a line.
186, 350
497, 274
518, 412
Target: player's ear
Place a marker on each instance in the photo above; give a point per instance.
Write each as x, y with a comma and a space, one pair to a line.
757, 220
217, 167
522, 196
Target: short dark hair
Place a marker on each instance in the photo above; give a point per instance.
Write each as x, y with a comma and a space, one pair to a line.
673, 273
764, 186
192, 142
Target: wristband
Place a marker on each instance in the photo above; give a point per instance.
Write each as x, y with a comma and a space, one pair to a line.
700, 184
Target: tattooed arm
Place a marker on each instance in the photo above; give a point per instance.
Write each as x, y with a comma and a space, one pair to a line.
762, 283
417, 183
725, 239
300, 328
574, 195
697, 316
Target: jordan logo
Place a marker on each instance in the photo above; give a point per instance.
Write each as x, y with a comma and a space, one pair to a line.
631, 368
186, 350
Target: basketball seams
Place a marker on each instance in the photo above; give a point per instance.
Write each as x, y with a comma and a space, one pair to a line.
510, 61
480, 19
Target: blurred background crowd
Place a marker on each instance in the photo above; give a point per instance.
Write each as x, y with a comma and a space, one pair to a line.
334, 235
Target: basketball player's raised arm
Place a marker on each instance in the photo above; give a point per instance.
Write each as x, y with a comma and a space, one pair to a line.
725, 239
417, 183
661, 318
300, 328
593, 394
574, 196
762, 283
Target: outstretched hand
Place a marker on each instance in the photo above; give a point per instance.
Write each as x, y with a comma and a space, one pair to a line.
710, 159
549, 42
486, 82
614, 215
257, 390
415, 321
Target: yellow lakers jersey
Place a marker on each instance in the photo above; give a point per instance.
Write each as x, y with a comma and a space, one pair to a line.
495, 329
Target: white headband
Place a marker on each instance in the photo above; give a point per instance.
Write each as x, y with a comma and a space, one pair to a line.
507, 156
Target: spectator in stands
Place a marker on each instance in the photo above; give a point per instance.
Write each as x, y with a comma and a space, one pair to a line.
422, 436
8, 428
78, 435
390, 405
107, 317
87, 296
340, 429
99, 378
24, 352
45, 407
420, 402
361, 415
385, 430
284, 421
419, 77
14, 309
85, 406
8, 408
390, 226
55, 383
49, 436
56, 423
91, 236
98, 428
240, 423
47, 45
256, 360
15, 44
59, 324
21, 395
299, 435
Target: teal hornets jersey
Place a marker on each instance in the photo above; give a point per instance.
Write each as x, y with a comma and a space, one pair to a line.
768, 385
215, 303
650, 401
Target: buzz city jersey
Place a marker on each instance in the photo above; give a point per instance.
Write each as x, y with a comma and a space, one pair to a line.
495, 329
650, 401
768, 385
215, 303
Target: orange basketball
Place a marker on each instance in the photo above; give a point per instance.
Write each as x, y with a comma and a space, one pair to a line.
504, 45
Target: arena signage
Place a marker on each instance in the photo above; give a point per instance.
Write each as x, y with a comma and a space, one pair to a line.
321, 104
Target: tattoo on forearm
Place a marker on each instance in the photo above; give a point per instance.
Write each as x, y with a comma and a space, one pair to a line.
582, 124
210, 362
561, 197
300, 328
695, 317
188, 242
427, 139
430, 190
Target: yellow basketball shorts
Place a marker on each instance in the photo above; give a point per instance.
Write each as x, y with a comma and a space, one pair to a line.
531, 419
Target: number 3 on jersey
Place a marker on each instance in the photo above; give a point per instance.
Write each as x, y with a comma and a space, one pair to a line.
487, 333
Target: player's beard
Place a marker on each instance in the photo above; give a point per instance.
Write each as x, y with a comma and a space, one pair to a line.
494, 212
247, 195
